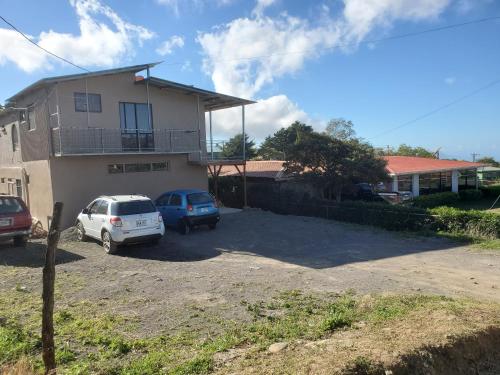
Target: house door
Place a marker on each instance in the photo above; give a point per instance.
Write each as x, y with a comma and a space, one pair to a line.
136, 127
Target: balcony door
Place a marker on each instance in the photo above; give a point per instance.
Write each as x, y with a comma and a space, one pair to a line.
136, 127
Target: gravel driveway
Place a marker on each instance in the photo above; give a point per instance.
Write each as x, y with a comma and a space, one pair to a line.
251, 256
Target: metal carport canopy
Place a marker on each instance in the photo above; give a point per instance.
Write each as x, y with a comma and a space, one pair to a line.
212, 101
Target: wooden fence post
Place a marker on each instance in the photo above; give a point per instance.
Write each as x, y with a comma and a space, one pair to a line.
49, 275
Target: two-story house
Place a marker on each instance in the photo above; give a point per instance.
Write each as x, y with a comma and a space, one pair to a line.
72, 138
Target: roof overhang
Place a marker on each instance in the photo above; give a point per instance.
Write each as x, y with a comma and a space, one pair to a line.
426, 171
56, 79
212, 101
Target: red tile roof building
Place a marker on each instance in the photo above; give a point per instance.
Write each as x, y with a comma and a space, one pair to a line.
401, 165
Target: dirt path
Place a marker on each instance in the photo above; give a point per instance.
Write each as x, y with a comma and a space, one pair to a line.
252, 256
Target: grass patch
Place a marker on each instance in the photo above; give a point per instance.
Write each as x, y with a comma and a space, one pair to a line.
90, 342
478, 243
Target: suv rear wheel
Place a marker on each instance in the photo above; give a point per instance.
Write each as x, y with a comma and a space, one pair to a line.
80, 232
109, 246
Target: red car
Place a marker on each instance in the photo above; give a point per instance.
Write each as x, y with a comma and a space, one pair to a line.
15, 220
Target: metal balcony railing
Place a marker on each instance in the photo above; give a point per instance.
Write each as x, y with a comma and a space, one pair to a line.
83, 141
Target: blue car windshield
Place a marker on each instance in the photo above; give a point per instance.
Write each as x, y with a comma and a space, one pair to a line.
199, 198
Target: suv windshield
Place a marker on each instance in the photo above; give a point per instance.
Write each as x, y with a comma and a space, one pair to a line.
10, 206
199, 198
132, 208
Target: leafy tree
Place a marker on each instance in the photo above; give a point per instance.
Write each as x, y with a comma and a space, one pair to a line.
331, 163
277, 145
406, 150
340, 128
489, 160
233, 149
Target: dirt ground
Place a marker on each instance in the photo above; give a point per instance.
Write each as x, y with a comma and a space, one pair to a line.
251, 256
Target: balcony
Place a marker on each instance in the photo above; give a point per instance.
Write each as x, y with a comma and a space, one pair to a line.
98, 141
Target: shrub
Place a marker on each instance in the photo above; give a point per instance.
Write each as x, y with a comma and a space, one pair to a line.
381, 215
490, 191
470, 195
435, 200
471, 222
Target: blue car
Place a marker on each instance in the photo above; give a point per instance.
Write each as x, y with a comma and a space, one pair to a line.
185, 209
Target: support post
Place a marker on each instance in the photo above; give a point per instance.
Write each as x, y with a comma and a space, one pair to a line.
454, 181
199, 124
245, 202
49, 275
211, 138
415, 185
395, 187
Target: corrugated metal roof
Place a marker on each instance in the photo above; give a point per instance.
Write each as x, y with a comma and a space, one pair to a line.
48, 80
212, 101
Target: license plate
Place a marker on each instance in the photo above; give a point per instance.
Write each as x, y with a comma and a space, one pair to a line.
204, 209
5, 222
141, 223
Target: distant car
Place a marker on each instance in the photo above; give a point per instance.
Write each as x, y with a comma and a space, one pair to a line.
120, 219
15, 220
185, 209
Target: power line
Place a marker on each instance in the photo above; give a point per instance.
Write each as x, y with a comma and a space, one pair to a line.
354, 44
441, 108
43, 49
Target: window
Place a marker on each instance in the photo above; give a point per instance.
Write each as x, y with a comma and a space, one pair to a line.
160, 166
137, 126
132, 207
27, 117
200, 198
95, 206
10, 206
115, 168
94, 101
163, 200
19, 188
139, 167
176, 200
103, 208
15, 138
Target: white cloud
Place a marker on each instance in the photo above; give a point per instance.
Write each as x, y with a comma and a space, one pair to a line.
246, 55
99, 43
450, 80
262, 118
261, 6
197, 5
168, 46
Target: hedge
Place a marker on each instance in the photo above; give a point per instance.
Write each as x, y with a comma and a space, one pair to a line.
472, 223
491, 190
381, 215
435, 200
470, 195
469, 222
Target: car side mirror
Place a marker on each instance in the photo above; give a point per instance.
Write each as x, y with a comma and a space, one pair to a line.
85, 211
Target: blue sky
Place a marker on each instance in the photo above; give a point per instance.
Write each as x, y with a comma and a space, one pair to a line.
286, 55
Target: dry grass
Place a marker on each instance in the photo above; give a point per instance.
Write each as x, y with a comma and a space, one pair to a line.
21, 367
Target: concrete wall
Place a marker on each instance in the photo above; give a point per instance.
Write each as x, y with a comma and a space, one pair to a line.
78, 180
170, 110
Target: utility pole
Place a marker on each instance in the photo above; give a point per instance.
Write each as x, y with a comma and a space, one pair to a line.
474, 155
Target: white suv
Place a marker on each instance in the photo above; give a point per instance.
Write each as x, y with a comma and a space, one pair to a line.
120, 219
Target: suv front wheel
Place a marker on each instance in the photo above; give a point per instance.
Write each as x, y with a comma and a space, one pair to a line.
109, 246
80, 232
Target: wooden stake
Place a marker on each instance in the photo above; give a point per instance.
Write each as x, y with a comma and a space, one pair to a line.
49, 276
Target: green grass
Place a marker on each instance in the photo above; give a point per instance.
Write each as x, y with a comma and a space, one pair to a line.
91, 342
478, 243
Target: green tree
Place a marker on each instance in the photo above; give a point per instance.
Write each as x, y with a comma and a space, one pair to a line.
489, 160
233, 149
340, 128
406, 150
277, 145
331, 163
